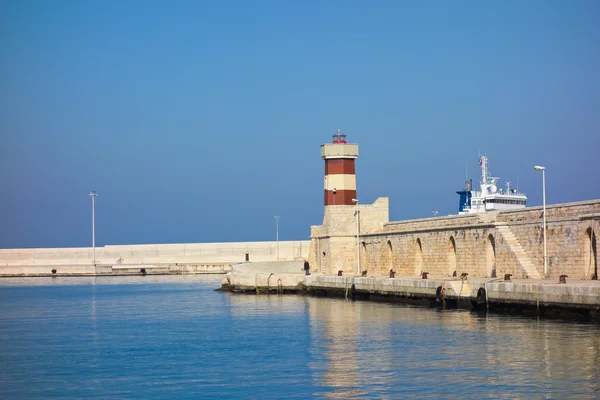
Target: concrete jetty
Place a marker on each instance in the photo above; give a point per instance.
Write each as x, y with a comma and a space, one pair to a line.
265, 277
573, 297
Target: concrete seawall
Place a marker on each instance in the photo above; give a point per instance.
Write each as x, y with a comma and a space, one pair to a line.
188, 258
112, 270
575, 294
579, 298
183, 253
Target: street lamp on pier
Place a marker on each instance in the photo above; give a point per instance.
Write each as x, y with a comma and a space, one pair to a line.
543, 169
355, 201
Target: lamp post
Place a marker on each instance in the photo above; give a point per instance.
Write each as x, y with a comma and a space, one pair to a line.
543, 169
93, 195
357, 237
277, 234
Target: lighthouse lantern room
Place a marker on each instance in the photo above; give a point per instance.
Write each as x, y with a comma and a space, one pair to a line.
340, 177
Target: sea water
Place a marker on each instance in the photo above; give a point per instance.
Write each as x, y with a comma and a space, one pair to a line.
155, 337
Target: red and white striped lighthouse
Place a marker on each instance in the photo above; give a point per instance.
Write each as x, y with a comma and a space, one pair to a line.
340, 178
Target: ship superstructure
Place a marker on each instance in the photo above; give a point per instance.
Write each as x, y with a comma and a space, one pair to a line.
489, 197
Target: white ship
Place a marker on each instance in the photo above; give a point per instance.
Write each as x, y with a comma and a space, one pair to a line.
489, 197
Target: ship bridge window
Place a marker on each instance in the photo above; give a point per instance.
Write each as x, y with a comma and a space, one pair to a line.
503, 201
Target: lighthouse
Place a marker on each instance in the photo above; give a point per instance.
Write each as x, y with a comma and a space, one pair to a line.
335, 245
340, 175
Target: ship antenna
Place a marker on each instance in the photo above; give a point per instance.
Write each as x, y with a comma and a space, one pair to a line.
484, 169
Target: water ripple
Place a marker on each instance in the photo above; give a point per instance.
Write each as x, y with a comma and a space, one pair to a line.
174, 337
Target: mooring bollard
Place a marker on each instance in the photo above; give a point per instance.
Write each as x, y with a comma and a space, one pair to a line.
562, 279
481, 297
424, 275
439, 295
507, 277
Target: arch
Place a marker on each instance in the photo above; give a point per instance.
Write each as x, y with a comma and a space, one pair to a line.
451, 256
590, 255
490, 256
389, 256
418, 257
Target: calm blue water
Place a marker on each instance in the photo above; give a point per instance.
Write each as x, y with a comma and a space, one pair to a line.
174, 337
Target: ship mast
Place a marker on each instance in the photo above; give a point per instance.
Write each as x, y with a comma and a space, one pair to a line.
484, 169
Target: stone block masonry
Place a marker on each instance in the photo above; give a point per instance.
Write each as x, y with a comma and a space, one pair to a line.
484, 245
333, 245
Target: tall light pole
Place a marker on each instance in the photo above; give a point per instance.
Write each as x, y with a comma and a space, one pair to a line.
543, 169
93, 195
277, 234
357, 237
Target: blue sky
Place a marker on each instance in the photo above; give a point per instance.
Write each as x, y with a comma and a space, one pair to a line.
198, 121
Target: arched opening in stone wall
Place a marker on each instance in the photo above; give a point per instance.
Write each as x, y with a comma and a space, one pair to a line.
490, 256
451, 257
389, 261
418, 258
590, 258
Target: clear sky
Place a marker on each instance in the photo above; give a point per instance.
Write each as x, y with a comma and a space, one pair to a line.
199, 121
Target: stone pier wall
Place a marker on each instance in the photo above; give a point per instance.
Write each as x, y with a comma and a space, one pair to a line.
481, 245
570, 228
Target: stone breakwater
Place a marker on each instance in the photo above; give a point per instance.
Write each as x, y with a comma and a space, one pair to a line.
157, 259
112, 270
549, 297
157, 254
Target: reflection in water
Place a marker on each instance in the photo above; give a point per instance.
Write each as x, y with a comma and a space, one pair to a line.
174, 336
337, 339
251, 306
94, 332
426, 352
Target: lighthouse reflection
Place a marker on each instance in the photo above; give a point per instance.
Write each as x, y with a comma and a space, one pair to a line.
343, 332
391, 350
